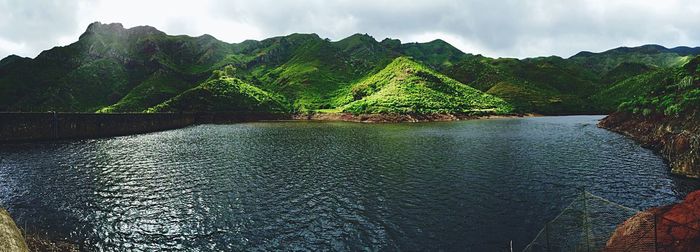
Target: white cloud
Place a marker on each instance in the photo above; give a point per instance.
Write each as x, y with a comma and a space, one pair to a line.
505, 28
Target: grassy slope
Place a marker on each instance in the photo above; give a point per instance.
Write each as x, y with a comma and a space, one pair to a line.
668, 91
223, 93
544, 85
405, 86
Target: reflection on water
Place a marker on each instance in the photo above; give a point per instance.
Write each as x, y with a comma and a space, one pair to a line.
471, 185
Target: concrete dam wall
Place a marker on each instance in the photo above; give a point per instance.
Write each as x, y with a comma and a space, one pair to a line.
18, 127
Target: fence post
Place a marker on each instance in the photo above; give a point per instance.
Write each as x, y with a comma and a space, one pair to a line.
656, 241
54, 124
546, 235
585, 220
511, 245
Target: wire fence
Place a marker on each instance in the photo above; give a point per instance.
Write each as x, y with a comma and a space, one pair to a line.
589, 224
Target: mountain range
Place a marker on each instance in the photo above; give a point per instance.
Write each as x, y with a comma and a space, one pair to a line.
141, 69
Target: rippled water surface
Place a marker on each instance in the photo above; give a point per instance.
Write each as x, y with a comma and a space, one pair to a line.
471, 185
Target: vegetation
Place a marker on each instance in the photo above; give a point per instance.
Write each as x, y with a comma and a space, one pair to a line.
223, 93
670, 92
405, 86
113, 69
651, 55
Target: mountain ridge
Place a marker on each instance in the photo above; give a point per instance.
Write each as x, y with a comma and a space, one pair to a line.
115, 69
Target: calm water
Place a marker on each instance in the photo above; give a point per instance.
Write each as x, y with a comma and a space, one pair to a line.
472, 185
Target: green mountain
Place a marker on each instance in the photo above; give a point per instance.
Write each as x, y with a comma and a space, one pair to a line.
652, 55
405, 86
113, 69
106, 65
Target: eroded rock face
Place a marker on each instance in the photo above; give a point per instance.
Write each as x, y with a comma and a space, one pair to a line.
669, 228
677, 139
11, 238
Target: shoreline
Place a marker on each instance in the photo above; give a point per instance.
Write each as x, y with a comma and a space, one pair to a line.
676, 140
398, 118
32, 127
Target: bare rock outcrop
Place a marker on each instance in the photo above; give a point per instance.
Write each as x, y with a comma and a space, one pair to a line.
668, 228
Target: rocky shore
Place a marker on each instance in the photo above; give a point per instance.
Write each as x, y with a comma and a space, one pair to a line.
40, 243
25, 127
393, 118
669, 228
11, 238
677, 139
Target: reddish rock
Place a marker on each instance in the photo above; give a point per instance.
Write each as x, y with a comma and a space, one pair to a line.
669, 228
681, 143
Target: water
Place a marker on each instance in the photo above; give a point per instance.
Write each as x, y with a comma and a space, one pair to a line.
471, 185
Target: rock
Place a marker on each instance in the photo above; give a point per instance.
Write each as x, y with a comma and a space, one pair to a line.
40, 243
11, 238
669, 228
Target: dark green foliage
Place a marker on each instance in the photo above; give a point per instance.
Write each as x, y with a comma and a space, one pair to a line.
625, 70
157, 88
104, 66
670, 92
223, 93
548, 85
635, 86
113, 69
651, 55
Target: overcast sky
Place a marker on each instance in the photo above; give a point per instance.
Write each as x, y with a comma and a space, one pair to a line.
509, 28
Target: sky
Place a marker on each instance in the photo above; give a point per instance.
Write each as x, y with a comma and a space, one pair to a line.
507, 28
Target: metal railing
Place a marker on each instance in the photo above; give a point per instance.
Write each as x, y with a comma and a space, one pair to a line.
589, 223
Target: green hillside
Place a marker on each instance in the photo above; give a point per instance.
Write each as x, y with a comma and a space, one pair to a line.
669, 91
223, 93
405, 86
652, 55
114, 69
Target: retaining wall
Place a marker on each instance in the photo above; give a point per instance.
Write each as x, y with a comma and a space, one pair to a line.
16, 127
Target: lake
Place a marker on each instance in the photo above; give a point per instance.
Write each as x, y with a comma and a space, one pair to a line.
467, 185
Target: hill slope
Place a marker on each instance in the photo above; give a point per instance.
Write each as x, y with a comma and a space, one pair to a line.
223, 93
663, 113
114, 69
668, 91
405, 86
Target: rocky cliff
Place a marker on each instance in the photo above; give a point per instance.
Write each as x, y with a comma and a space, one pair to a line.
669, 228
676, 138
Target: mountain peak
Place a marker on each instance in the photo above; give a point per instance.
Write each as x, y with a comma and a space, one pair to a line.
645, 49
439, 41
583, 54
145, 30
100, 28
355, 40
685, 50
361, 36
118, 29
393, 44
10, 59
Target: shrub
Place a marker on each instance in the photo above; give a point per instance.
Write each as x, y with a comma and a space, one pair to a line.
673, 110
